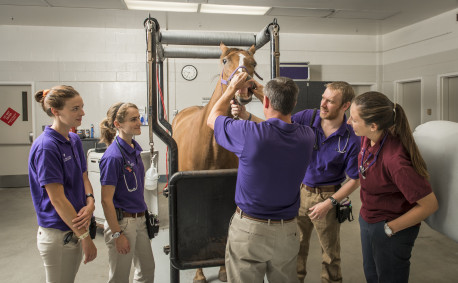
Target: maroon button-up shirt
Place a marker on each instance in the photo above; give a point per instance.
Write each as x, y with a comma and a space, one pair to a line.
392, 186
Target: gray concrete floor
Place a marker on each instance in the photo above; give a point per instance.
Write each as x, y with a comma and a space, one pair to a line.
434, 259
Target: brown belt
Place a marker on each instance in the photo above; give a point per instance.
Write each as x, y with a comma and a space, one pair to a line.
133, 215
274, 221
322, 189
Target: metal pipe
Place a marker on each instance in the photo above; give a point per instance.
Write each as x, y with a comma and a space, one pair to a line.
207, 38
263, 36
192, 52
162, 119
151, 27
274, 49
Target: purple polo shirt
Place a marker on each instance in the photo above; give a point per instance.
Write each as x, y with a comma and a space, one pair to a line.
273, 156
392, 186
329, 166
54, 159
112, 172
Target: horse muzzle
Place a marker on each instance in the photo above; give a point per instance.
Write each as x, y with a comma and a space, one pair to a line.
244, 96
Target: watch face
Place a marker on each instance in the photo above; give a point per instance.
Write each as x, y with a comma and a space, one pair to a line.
189, 72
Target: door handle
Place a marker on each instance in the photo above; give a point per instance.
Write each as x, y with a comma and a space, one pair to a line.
31, 137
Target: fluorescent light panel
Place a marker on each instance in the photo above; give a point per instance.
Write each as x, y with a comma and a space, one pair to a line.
232, 9
161, 6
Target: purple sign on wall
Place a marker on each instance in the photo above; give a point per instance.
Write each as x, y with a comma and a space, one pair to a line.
295, 71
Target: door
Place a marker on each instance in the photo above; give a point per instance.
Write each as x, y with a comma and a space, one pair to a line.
410, 100
450, 98
15, 137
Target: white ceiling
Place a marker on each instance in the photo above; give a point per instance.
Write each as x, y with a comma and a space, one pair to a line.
294, 16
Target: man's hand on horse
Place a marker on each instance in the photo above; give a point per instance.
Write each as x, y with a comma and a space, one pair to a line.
239, 81
238, 110
258, 90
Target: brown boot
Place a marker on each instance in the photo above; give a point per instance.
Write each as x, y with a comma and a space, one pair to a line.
200, 277
222, 275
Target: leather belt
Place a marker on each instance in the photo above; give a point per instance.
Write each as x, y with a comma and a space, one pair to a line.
133, 215
274, 221
322, 189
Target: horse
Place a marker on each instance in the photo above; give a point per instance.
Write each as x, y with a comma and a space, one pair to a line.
197, 148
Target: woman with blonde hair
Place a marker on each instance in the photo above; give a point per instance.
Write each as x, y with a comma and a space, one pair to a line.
395, 193
122, 176
60, 187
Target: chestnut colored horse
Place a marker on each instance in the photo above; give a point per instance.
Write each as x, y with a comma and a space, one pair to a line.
197, 148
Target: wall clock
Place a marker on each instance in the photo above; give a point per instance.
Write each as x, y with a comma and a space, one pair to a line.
189, 72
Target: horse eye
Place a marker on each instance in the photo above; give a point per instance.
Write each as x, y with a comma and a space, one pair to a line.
254, 65
224, 61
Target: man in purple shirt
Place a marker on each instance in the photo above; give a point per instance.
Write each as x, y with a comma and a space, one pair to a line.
335, 156
273, 156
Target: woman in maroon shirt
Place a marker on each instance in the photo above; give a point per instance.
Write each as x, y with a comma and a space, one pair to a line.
395, 193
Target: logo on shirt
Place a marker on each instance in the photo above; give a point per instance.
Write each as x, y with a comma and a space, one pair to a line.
66, 158
131, 164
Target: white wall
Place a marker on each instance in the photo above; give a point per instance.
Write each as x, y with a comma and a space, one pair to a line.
108, 65
424, 50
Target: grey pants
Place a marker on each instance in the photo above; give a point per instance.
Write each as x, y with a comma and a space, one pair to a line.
61, 261
140, 252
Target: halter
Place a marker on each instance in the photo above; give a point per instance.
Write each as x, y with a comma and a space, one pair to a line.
226, 82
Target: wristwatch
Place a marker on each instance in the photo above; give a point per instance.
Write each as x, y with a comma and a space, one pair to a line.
116, 234
388, 230
90, 196
333, 201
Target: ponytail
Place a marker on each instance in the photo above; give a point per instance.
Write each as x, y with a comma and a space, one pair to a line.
401, 129
375, 107
107, 132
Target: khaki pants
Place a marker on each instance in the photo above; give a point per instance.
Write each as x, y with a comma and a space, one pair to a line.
61, 261
328, 230
255, 249
140, 252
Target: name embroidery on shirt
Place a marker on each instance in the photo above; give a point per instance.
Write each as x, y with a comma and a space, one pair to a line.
66, 158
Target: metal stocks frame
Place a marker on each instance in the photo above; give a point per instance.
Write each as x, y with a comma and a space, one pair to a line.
188, 252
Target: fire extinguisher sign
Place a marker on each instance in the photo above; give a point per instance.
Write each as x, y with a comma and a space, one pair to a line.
10, 116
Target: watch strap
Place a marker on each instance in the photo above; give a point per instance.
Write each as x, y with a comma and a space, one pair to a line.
90, 196
333, 201
116, 234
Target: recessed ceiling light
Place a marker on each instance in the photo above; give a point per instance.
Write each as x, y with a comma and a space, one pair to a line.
233, 9
161, 6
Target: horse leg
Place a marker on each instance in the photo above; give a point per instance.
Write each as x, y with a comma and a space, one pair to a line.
222, 275
200, 277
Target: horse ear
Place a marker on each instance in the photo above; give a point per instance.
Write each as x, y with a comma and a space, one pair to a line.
223, 48
252, 50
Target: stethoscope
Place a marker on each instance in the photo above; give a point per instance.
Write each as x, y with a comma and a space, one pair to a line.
363, 170
128, 168
338, 149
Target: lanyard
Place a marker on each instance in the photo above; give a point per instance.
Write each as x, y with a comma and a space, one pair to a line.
363, 170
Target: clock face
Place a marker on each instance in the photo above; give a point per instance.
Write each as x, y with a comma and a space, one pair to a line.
189, 72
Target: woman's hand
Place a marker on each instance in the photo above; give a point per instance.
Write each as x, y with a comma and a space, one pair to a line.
89, 249
83, 217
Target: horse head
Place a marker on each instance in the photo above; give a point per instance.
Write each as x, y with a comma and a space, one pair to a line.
237, 60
